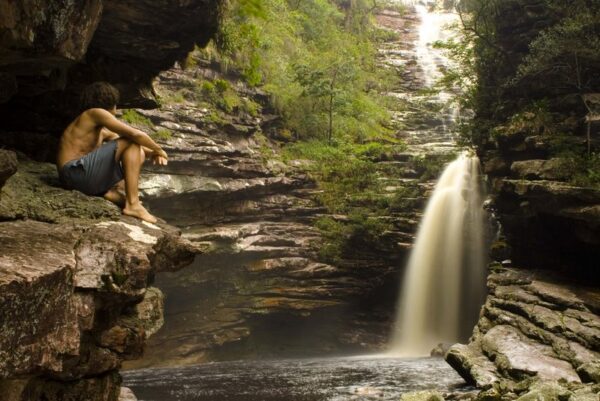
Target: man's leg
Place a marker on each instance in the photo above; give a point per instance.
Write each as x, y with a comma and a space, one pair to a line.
116, 194
132, 156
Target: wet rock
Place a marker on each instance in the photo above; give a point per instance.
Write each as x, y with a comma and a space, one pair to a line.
101, 388
500, 251
533, 211
440, 350
533, 327
518, 357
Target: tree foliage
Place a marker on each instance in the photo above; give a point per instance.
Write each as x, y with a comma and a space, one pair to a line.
317, 60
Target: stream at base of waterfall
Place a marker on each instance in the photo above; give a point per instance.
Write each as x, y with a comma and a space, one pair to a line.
332, 379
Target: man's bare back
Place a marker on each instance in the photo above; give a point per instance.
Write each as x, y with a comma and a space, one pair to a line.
98, 153
81, 137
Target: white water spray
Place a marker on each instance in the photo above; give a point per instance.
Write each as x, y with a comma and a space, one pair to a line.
444, 284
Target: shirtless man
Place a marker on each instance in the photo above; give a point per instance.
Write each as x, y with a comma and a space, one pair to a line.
97, 151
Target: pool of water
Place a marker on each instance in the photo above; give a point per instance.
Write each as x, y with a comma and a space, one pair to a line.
328, 379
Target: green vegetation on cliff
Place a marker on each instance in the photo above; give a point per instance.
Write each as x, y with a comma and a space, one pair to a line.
316, 60
533, 62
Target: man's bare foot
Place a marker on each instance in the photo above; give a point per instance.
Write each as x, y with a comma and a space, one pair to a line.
140, 212
115, 196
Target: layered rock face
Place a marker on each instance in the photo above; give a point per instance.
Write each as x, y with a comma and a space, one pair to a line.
259, 288
548, 222
75, 299
532, 326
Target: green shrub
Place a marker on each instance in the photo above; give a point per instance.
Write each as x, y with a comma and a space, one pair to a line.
133, 117
250, 106
221, 85
405, 198
343, 238
208, 89
162, 134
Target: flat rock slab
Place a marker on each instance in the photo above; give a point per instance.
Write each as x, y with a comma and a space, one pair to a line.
521, 357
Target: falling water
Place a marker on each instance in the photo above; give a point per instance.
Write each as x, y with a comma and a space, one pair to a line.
444, 283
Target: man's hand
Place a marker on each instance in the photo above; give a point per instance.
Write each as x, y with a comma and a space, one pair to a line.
160, 157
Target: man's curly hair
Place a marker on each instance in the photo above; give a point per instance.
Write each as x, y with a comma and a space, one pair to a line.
99, 94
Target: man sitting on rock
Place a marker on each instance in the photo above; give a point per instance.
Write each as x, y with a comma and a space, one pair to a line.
97, 151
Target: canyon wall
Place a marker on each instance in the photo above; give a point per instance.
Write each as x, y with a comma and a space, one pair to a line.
541, 320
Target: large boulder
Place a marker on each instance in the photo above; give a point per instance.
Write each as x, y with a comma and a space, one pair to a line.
532, 327
78, 286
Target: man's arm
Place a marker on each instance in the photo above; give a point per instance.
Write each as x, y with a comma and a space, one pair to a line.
105, 119
108, 135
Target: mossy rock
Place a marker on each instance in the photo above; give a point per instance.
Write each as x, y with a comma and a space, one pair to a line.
546, 391
34, 192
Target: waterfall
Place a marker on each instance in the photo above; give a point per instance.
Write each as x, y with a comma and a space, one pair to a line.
444, 284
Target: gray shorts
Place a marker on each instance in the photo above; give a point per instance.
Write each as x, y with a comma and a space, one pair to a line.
95, 173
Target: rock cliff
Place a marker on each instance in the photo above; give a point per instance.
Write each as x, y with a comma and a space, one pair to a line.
76, 295
75, 288
260, 287
538, 331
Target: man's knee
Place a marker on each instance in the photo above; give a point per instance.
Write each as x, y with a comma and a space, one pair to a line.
122, 145
135, 151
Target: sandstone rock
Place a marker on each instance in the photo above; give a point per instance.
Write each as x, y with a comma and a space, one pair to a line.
584, 394
36, 276
519, 357
127, 395
34, 192
590, 371
74, 290
49, 35
428, 395
129, 43
548, 391
489, 395
496, 167
151, 311
472, 365
552, 169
